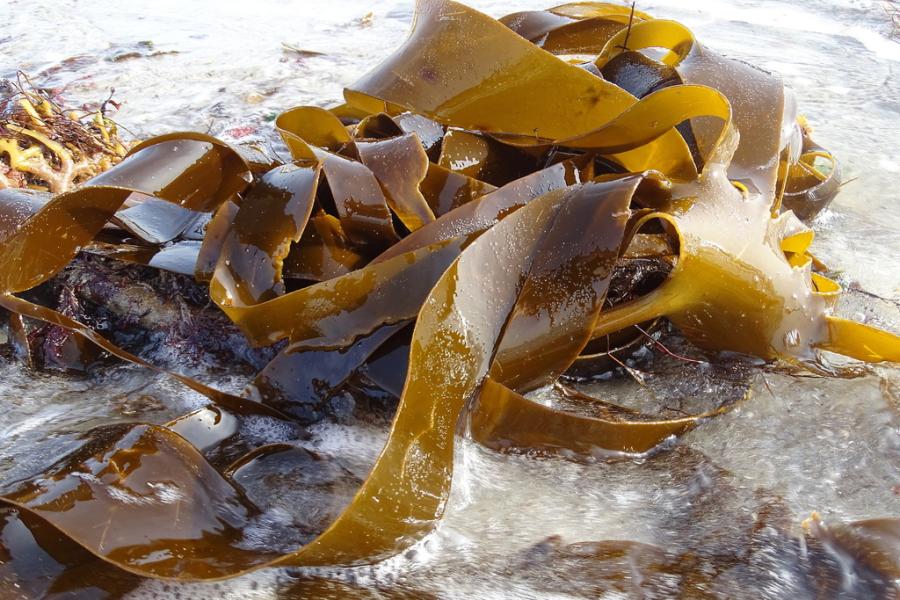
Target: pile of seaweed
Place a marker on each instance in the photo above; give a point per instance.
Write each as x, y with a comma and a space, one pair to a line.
500, 206
45, 146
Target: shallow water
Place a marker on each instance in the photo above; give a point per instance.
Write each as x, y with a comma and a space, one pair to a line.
801, 443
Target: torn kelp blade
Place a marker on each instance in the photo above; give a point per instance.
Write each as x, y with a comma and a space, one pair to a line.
400, 165
358, 197
406, 490
513, 88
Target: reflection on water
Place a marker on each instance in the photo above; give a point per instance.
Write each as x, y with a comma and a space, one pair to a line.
730, 496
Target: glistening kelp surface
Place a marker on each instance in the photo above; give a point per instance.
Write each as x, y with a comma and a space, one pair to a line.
507, 286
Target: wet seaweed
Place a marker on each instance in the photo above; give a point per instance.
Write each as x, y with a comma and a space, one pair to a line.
531, 195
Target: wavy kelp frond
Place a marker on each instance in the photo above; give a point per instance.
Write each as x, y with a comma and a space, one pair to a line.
529, 197
411, 479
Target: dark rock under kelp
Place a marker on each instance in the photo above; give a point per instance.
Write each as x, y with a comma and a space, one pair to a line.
162, 316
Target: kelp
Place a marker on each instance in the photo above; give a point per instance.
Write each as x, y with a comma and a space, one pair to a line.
529, 196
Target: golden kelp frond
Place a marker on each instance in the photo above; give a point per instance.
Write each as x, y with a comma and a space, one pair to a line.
453, 230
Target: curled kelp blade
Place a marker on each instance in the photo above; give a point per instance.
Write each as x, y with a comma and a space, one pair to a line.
462, 332
550, 326
566, 31
812, 182
513, 88
406, 490
197, 173
482, 213
392, 288
193, 174
272, 215
357, 194
739, 291
757, 98
507, 420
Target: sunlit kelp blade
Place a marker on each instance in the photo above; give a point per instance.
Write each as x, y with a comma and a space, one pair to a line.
411, 480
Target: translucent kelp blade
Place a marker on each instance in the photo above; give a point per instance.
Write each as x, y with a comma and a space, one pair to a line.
445, 190
513, 88
272, 215
590, 10
553, 319
650, 33
734, 289
337, 311
315, 126
809, 186
407, 488
358, 197
756, 97
646, 120
460, 330
563, 36
757, 101
214, 239
860, 341
484, 158
400, 165
324, 252
17, 205
508, 420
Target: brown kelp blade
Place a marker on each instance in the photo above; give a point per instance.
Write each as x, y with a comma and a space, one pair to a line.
405, 492
513, 88
191, 173
481, 184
